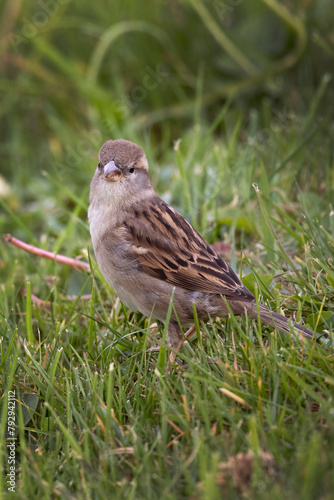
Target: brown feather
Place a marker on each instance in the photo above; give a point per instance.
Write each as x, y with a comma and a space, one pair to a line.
199, 268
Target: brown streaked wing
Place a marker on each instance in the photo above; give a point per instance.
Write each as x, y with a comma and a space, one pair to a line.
176, 253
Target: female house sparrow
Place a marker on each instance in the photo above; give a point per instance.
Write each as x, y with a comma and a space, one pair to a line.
145, 249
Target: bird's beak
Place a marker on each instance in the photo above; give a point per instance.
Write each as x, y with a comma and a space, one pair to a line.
111, 172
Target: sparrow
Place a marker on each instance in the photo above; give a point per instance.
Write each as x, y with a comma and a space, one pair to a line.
149, 253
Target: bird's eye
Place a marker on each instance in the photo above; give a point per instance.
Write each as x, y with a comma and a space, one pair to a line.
99, 165
132, 169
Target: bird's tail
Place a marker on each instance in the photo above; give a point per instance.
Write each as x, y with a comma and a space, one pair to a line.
274, 319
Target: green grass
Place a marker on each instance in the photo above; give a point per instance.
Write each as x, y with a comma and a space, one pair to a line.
246, 412
110, 419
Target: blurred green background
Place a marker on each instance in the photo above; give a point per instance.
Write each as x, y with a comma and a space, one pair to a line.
241, 83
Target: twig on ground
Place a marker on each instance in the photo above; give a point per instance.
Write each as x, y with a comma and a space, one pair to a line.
62, 259
39, 302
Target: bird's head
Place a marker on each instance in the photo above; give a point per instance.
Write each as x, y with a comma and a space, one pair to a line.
122, 172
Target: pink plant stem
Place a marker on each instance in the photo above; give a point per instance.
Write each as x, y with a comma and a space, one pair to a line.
37, 300
62, 259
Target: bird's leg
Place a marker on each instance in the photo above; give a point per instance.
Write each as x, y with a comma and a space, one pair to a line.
175, 339
189, 333
153, 349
